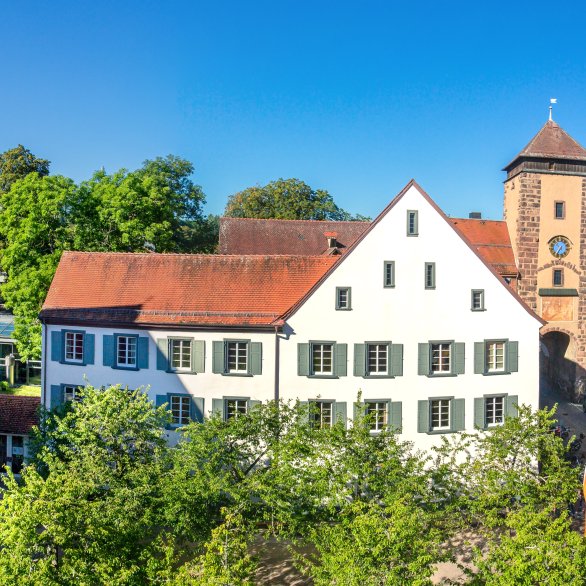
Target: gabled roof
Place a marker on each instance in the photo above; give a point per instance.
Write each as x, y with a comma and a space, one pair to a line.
551, 142
179, 289
18, 414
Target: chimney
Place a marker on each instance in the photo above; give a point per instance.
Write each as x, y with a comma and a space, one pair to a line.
331, 236
475, 215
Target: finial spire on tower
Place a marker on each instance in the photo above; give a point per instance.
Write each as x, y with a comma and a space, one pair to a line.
551, 102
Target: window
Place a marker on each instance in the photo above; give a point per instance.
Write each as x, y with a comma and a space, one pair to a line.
412, 223
494, 409
180, 354
560, 210
17, 453
180, 406
343, 297
491, 410
558, 277
74, 347
237, 357
377, 359
430, 275
322, 359
378, 413
440, 414
495, 356
71, 393
321, 414
441, 358
477, 300
236, 407
126, 351
389, 273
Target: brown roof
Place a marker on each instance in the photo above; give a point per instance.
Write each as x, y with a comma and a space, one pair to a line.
552, 142
179, 289
306, 237
18, 414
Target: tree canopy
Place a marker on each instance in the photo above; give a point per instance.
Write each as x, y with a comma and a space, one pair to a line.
17, 163
286, 199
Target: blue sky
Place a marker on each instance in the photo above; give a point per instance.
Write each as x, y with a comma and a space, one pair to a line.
353, 97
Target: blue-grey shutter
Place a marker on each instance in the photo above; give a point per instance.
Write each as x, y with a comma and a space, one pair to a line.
56, 398
459, 357
359, 359
479, 419
396, 359
479, 358
341, 360
160, 400
458, 415
512, 356
143, 352
255, 358
88, 348
196, 409
512, 402
341, 412
423, 361
218, 357
57, 346
423, 416
198, 350
303, 359
162, 354
396, 415
108, 350
253, 403
218, 406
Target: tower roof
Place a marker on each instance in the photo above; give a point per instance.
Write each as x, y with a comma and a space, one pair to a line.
551, 142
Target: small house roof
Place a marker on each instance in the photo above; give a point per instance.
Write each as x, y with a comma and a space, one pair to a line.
18, 414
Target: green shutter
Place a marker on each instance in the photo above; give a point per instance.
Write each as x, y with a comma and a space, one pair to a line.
108, 350
161, 400
423, 416
512, 402
143, 352
255, 358
479, 420
305, 406
162, 353
423, 362
218, 407
197, 409
57, 346
88, 348
253, 403
218, 364
458, 414
459, 358
512, 356
56, 397
340, 411
479, 358
396, 415
396, 359
198, 349
303, 359
341, 360
359, 359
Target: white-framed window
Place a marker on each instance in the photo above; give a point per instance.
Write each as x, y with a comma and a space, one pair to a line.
321, 414
322, 359
71, 393
237, 357
377, 359
494, 410
235, 407
343, 297
389, 273
412, 223
126, 351
180, 354
73, 347
441, 358
440, 414
495, 356
477, 300
378, 412
180, 406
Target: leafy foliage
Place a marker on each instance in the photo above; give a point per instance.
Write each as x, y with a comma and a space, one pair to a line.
17, 163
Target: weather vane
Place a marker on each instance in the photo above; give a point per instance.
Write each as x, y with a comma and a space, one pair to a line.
551, 102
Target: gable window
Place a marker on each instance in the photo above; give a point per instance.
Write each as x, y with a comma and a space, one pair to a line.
180, 406
558, 277
430, 275
389, 273
560, 210
441, 358
377, 359
412, 223
378, 413
495, 356
322, 359
74, 347
477, 300
440, 414
343, 297
126, 351
237, 357
180, 354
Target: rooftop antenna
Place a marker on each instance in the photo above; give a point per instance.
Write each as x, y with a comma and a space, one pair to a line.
551, 102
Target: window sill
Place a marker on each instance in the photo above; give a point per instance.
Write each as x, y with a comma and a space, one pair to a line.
325, 376
441, 375
495, 373
477, 310
242, 374
375, 376
440, 431
69, 363
177, 371
131, 368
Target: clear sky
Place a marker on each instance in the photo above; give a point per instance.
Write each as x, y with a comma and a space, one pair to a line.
353, 97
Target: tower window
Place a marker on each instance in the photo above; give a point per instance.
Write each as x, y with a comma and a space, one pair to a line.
558, 277
560, 210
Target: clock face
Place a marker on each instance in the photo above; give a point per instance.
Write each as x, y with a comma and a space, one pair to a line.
559, 246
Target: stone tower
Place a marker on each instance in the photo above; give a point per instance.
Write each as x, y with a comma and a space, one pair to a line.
545, 211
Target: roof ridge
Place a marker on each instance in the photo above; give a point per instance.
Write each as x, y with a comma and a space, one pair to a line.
295, 221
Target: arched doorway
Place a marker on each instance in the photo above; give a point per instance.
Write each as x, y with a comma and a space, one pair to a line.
558, 360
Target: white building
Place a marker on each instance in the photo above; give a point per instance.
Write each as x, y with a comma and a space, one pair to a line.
411, 315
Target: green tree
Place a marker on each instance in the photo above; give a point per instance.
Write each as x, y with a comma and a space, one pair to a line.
17, 163
286, 199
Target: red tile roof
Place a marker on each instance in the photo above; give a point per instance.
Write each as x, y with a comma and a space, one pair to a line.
179, 289
18, 414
